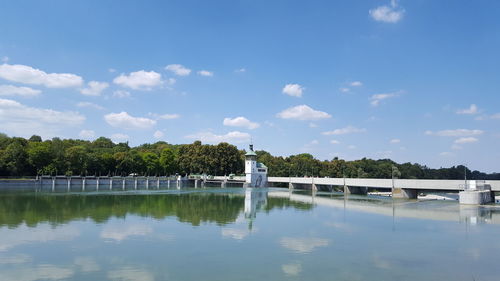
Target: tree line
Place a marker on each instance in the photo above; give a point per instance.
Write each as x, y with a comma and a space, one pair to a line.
34, 156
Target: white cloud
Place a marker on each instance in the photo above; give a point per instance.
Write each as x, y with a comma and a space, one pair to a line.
139, 80
456, 147
5, 59
464, 140
111, 70
314, 142
121, 94
303, 245
294, 90
21, 120
170, 81
87, 134
241, 70
94, 88
394, 141
313, 125
231, 137
351, 147
344, 131
356, 84
117, 138
469, 111
89, 105
9, 90
205, 73
303, 112
240, 122
334, 142
455, 133
178, 69
389, 14
126, 121
158, 134
164, 116
376, 99
446, 154
495, 116
29, 75
344, 90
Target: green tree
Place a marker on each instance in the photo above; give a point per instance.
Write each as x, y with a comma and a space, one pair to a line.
168, 161
39, 155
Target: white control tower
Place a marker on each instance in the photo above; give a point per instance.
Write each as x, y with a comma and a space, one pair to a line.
256, 173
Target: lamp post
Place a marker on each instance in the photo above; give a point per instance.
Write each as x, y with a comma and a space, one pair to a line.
392, 176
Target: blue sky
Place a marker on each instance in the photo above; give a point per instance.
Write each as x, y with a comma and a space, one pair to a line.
410, 80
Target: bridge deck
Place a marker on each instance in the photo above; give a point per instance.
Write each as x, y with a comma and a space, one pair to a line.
447, 185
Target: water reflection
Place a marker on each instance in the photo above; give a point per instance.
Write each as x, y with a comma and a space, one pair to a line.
292, 269
255, 199
195, 208
120, 232
42, 234
303, 245
429, 209
227, 234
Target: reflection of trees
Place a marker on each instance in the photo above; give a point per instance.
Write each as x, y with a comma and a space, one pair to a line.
191, 208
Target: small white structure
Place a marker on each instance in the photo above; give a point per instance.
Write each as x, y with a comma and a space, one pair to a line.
256, 173
476, 192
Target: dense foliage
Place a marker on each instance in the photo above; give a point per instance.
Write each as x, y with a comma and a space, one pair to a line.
29, 157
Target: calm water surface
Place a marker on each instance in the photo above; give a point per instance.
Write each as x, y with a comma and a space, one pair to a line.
233, 234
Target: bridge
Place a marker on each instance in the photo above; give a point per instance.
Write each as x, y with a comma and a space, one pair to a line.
470, 192
399, 188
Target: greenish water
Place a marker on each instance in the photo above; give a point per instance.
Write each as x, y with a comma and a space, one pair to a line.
237, 234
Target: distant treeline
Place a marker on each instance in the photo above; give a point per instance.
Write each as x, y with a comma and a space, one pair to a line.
34, 156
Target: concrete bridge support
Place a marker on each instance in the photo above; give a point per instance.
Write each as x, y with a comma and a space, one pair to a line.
291, 186
359, 190
404, 193
476, 197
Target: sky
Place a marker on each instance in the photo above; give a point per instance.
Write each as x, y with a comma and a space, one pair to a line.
414, 81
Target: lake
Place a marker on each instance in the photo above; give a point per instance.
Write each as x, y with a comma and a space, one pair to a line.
237, 234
